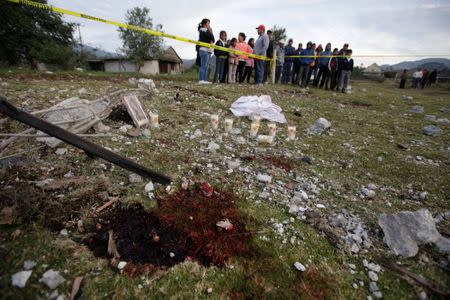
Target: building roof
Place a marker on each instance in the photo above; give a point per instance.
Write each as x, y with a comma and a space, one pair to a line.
169, 55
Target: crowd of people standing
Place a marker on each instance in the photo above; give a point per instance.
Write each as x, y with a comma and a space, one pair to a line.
331, 69
420, 78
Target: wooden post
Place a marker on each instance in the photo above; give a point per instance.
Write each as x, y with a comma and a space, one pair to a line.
273, 65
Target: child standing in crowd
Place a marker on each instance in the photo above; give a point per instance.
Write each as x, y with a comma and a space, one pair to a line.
279, 52
347, 68
250, 62
233, 61
221, 58
313, 66
204, 53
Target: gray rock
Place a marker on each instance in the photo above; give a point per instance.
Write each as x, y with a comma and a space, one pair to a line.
430, 118
319, 127
264, 178
373, 287
20, 279
233, 164
443, 121
213, 147
235, 131
431, 130
61, 151
29, 264
404, 231
377, 295
374, 267
407, 97
52, 279
373, 276
134, 178
422, 296
241, 140
368, 193
299, 266
443, 245
417, 109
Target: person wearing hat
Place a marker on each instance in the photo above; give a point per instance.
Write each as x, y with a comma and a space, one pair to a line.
289, 50
261, 46
279, 50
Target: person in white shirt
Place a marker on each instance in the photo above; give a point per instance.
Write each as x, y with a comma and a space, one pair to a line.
417, 78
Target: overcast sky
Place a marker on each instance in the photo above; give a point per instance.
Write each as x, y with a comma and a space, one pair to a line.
370, 27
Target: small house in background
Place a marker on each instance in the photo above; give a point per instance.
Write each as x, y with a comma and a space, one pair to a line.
168, 63
373, 70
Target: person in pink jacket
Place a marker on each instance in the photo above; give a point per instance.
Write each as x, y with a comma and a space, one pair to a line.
233, 61
244, 47
249, 62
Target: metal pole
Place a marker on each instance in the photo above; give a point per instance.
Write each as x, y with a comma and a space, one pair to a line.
273, 65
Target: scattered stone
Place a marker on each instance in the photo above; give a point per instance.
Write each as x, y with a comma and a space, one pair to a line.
423, 195
264, 178
373, 276
320, 206
417, 109
123, 129
235, 131
377, 295
431, 130
373, 287
121, 265
82, 91
213, 147
134, 178
52, 279
172, 255
430, 118
307, 159
352, 266
241, 140
371, 186
406, 230
233, 164
61, 151
300, 267
443, 121
197, 134
29, 264
101, 128
20, 279
368, 193
146, 133
422, 295
373, 267
404, 97
209, 290
321, 126
64, 233
149, 187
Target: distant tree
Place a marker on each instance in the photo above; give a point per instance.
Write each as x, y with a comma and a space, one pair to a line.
30, 34
279, 33
138, 45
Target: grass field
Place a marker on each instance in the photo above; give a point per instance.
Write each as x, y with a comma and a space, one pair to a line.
362, 147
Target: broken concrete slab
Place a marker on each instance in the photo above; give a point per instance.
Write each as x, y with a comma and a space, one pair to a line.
135, 109
52, 279
20, 279
319, 127
406, 230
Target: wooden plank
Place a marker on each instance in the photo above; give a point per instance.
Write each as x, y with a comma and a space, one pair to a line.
74, 140
134, 108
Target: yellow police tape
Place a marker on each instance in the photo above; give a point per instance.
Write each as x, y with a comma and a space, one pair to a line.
182, 39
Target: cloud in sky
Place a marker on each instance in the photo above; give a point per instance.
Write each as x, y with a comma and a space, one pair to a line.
382, 27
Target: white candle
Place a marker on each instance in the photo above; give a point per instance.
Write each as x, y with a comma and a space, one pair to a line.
266, 139
254, 127
256, 119
228, 125
272, 129
154, 120
215, 121
292, 130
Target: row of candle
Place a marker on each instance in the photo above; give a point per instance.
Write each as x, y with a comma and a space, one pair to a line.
254, 128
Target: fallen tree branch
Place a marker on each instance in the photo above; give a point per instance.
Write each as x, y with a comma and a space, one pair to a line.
46, 135
402, 271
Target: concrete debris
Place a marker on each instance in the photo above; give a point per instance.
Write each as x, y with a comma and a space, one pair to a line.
20, 279
264, 178
29, 264
406, 230
417, 109
213, 147
134, 178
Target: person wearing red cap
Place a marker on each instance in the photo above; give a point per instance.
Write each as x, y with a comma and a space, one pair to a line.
261, 45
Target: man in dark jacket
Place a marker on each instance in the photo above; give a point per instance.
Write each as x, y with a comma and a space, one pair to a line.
221, 58
307, 57
288, 62
296, 68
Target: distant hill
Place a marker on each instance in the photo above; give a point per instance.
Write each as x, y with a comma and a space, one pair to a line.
94, 53
188, 63
428, 63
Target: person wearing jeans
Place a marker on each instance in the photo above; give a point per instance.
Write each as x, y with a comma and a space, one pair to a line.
261, 45
204, 53
307, 57
347, 68
289, 50
221, 58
